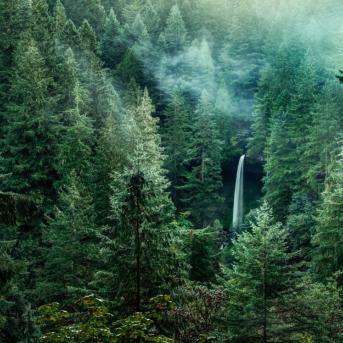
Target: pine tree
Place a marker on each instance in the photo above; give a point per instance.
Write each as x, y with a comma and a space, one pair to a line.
14, 20
259, 280
200, 68
15, 313
129, 68
205, 254
321, 146
32, 128
110, 154
75, 149
91, 10
106, 100
177, 136
280, 167
89, 41
275, 89
42, 30
143, 246
60, 19
285, 175
139, 31
112, 44
328, 254
71, 36
71, 256
175, 34
151, 17
204, 181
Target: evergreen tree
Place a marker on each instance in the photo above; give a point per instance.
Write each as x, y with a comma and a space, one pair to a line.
328, 255
75, 150
32, 128
113, 47
205, 254
106, 100
280, 167
321, 146
111, 153
71, 256
89, 41
71, 36
15, 313
143, 246
151, 17
204, 181
91, 10
275, 89
42, 30
60, 19
259, 281
175, 34
139, 31
129, 68
177, 136
14, 20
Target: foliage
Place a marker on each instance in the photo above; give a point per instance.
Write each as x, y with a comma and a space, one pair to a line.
89, 319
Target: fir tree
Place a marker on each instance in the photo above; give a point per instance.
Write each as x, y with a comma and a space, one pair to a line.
14, 20
143, 249
89, 41
32, 128
175, 34
322, 140
71, 36
205, 253
280, 167
60, 19
112, 44
177, 136
259, 280
72, 242
204, 181
328, 254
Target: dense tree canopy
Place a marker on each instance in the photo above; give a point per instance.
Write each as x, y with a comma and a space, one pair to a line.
122, 124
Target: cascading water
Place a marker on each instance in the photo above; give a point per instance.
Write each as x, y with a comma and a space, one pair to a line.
238, 200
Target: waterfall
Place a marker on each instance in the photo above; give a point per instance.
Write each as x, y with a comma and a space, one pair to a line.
238, 200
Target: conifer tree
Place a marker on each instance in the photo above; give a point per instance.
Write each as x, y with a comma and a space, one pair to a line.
42, 30
75, 149
139, 31
280, 168
129, 68
144, 249
91, 10
111, 152
205, 254
60, 19
175, 34
112, 44
177, 136
151, 17
328, 254
204, 181
71, 256
71, 36
259, 280
322, 139
32, 128
89, 41
14, 20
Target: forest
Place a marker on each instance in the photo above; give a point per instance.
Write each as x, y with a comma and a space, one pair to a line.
123, 126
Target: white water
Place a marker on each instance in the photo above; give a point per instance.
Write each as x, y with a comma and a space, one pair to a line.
238, 200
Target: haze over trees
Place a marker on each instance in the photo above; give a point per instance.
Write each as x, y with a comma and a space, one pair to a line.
122, 124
